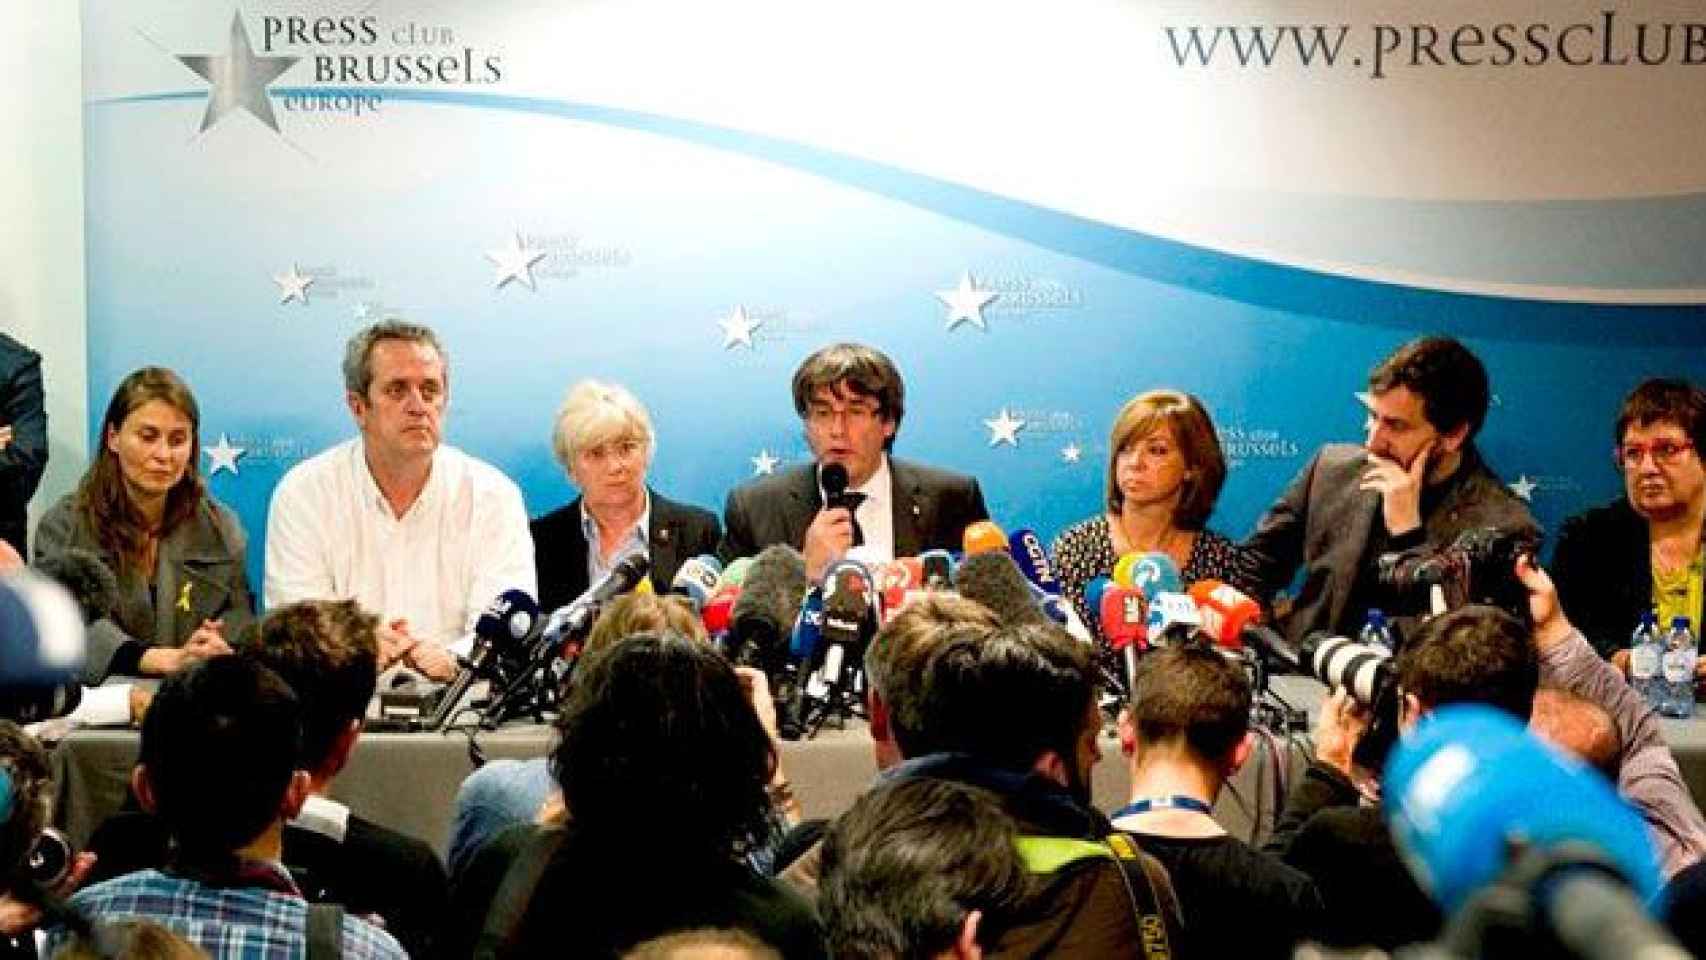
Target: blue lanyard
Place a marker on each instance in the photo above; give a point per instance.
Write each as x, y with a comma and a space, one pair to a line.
1175, 802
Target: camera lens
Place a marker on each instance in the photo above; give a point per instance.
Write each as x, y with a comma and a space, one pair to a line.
50, 858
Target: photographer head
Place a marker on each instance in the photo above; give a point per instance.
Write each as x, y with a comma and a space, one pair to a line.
1020, 698
327, 652
1189, 717
894, 667
921, 868
218, 765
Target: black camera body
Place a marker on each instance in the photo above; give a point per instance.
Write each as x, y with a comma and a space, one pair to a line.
1477, 567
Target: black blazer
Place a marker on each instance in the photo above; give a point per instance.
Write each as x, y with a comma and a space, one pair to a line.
25, 457
677, 533
932, 509
1603, 567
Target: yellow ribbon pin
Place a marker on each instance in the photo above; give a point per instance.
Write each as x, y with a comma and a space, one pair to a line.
184, 598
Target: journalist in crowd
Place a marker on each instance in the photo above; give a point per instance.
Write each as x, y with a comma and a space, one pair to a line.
603, 438
142, 508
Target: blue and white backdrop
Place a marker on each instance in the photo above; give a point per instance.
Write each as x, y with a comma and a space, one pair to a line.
1037, 209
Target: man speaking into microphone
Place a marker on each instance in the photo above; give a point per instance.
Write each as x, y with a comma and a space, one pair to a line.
851, 399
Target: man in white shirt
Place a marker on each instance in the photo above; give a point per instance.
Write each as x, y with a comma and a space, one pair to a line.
851, 399
417, 532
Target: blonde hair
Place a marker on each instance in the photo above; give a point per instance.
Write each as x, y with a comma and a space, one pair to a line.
594, 412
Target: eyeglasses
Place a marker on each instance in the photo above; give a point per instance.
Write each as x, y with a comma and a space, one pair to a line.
624, 450
1665, 452
823, 416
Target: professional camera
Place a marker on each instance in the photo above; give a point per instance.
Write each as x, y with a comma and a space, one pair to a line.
1366, 671
1477, 567
49, 860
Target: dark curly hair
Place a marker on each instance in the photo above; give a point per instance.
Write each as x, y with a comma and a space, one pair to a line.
658, 731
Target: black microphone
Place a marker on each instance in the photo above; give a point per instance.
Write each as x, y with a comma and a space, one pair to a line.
762, 621
500, 637
835, 480
993, 580
574, 618
91, 582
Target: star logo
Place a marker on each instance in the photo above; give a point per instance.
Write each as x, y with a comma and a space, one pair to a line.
1071, 453
1004, 429
965, 303
293, 286
764, 464
239, 79
1524, 488
515, 262
223, 456
737, 329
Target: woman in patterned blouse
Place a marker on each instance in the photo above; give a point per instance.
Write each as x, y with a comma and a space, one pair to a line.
1165, 471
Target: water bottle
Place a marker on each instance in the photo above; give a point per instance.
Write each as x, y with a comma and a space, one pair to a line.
1678, 667
1645, 651
1376, 631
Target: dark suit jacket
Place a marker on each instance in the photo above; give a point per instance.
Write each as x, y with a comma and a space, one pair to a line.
1604, 571
678, 532
931, 509
25, 457
200, 574
375, 870
1324, 519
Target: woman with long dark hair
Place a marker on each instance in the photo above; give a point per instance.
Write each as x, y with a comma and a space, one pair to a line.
178, 555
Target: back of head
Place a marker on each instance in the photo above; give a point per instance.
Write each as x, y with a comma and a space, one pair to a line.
1006, 697
1191, 696
219, 745
908, 863
25, 779
707, 944
632, 614
897, 655
1451, 381
128, 940
658, 741
1577, 725
1474, 654
326, 650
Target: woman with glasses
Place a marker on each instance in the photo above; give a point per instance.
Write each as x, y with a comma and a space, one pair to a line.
603, 438
1643, 551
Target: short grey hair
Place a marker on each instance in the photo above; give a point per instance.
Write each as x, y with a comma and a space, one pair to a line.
358, 373
594, 412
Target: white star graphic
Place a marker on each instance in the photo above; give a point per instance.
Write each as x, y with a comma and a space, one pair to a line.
223, 456
764, 464
1071, 453
293, 285
965, 303
1524, 488
239, 78
737, 329
1004, 429
515, 262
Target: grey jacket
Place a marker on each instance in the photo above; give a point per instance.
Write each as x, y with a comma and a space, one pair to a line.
1323, 521
199, 575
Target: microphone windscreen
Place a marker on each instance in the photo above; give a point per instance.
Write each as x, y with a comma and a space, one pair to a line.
92, 583
696, 579
983, 537
735, 573
719, 610
1093, 592
1155, 572
1470, 782
42, 640
936, 569
771, 595
834, 478
1122, 615
992, 580
509, 618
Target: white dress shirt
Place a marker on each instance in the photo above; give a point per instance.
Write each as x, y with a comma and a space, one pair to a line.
332, 535
876, 514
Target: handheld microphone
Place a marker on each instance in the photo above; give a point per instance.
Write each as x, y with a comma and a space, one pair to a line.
808, 626
719, 610
834, 478
735, 573
1153, 573
91, 582
500, 639
983, 537
1033, 560
697, 579
42, 647
572, 620
936, 569
1226, 611
1173, 618
894, 580
764, 612
992, 580
1471, 783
